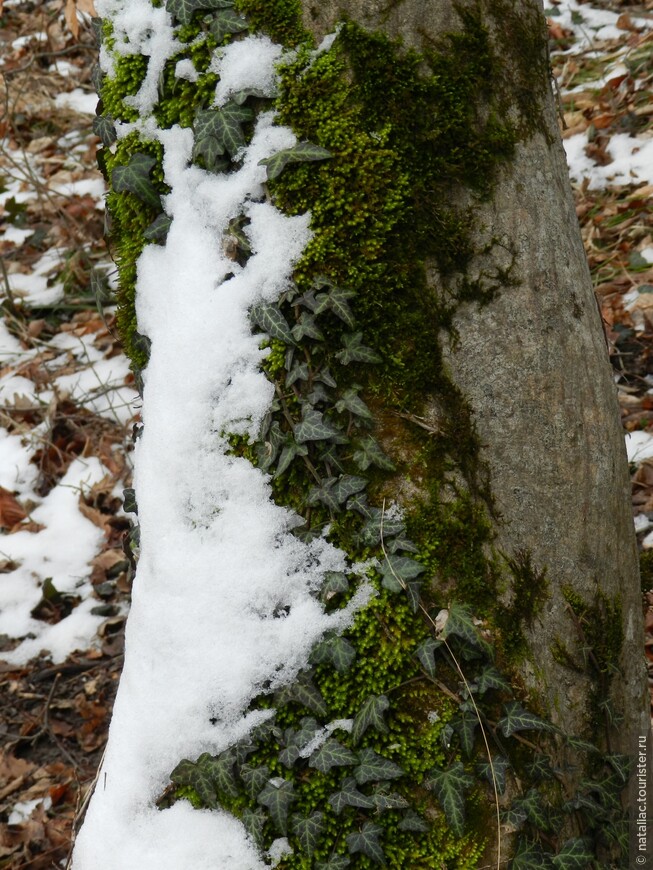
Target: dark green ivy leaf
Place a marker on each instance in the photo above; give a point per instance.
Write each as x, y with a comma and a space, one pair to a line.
532, 805
622, 765
366, 841
350, 796
460, 623
104, 129
529, 856
336, 301
129, 501
332, 753
425, 652
308, 831
400, 569
306, 326
269, 318
254, 822
209, 151
277, 796
347, 485
301, 153
225, 124
465, 728
490, 678
183, 10
495, 772
582, 745
370, 715
388, 800
517, 718
374, 767
183, 773
450, 786
355, 351
414, 823
135, 178
304, 692
158, 229
299, 372
314, 427
221, 770
254, 778
360, 504
574, 855
336, 650
324, 494
290, 450
351, 402
335, 862
334, 583
227, 21
369, 453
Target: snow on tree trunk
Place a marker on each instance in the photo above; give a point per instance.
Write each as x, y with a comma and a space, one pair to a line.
387, 580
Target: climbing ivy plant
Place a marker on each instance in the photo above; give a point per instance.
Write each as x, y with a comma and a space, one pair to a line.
404, 742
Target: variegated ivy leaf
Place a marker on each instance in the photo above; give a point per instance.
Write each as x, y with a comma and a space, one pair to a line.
531, 803
314, 427
301, 153
290, 450
335, 862
269, 318
225, 22
289, 755
336, 300
183, 10
514, 818
401, 543
336, 650
306, 326
355, 351
327, 378
277, 796
400, 569
574, 855
495, 772
370, 715
308, 831
304, 692
529, 856
350, 796
135, 178
183, 773
332, 753
465, 728
374, 767
318, 394
97, 78
330, 455
367, 842
308, 300
221, 770
450, 786
158, 229
490, 678
324, 494
517, 718
360, 504
225, 124
104, 129
350, 401
369, 453
460, 623
347, 485
622, 766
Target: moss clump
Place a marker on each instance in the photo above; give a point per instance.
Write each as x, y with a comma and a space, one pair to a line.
281, 20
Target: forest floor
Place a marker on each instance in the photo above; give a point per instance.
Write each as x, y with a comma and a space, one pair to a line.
68, 404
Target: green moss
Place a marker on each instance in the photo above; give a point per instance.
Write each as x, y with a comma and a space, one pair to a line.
529, 589
281, 20
646, 569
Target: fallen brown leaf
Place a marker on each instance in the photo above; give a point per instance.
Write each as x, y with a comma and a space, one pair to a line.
11, 511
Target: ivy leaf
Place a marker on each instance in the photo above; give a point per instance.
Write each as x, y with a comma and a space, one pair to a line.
302, 153
496, 772
336, 300
324, 494
582, 745
369, 453
254, 778
105, 129
221, 771
514, 818
135, 178
314, 427
490, 678
225, 124
450, 786
366, 841
318, 394
334, 583
574, 855
398, 568
183, 10
306, 326
332, 753
351, 402
540, 768
277, 796
210, 151
289, 452
254, 822
183, 773
360, 504
227, 21
530, 856
465, 728
335, 862
402, 543
158, 229
347, 485
622, 765
239, 97
308, 830
531, 803
517, 718
372, 766
327, 378
289, 756
336, 650
425, 652
350, 796
304, 692
370, 715
129, 504
269, 318
299, 372
413, 822
355, 351
460, 623
385, 800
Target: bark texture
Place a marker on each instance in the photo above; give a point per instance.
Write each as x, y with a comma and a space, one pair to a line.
534, 367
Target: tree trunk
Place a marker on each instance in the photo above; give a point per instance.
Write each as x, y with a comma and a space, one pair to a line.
444, 406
